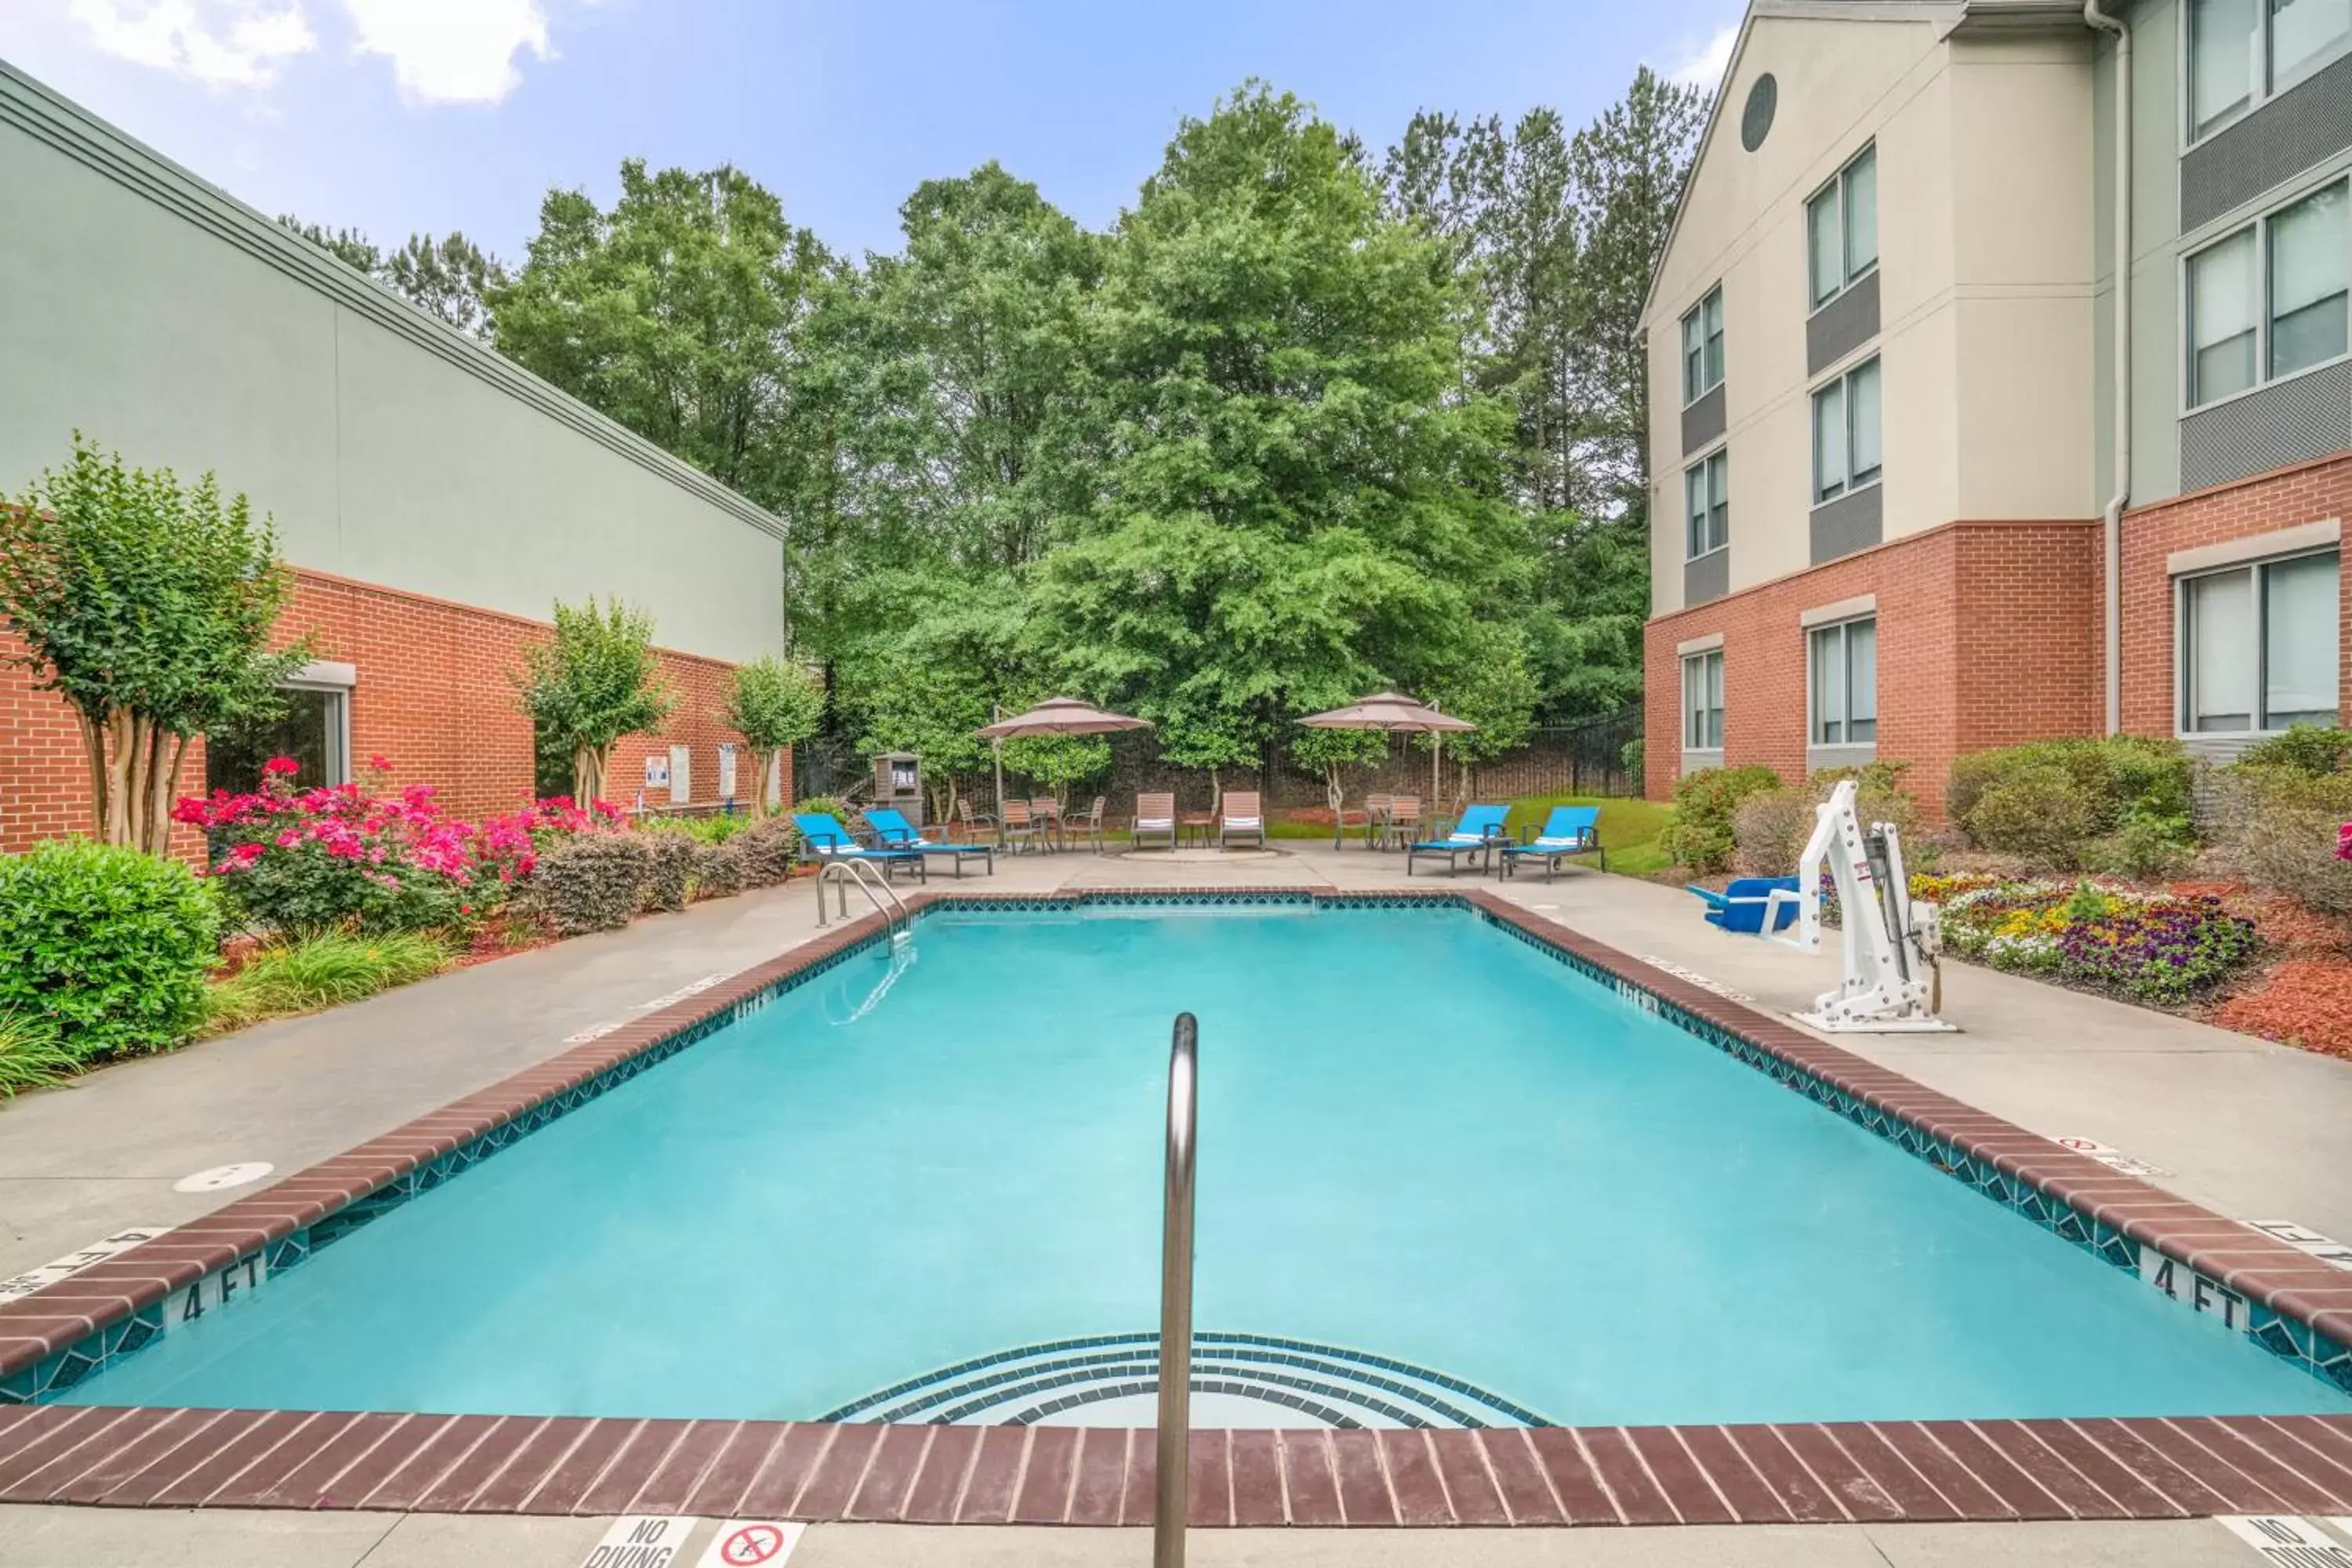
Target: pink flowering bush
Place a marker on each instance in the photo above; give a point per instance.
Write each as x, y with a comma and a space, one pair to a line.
365, 858
2344, 842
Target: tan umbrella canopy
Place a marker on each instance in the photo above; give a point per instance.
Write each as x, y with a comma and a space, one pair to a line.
1061, 716
1392, 713
1054, 716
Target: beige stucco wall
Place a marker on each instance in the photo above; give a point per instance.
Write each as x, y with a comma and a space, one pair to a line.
1985, 274
167, 321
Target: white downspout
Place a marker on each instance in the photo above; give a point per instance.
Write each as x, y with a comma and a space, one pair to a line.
2111, 533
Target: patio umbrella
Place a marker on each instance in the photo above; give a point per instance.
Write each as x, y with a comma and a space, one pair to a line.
1392, 713
1054, 716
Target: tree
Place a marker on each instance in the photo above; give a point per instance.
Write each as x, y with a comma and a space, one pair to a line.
773, 703
595, 680
149, 608
930, 682
1298, 498
673, 313
1332, 752
451, 277
1057, 761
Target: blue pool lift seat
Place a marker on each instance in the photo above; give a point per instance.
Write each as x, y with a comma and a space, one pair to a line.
893, 831
1480, 832
1740, 907
1570, 830
823, 837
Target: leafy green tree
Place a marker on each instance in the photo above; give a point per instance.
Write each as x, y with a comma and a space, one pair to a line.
450, 277
773, 702
1299, 499
674, 313
149, 607
595, 679
348, 245
938, 676
1057, 761
1332, 752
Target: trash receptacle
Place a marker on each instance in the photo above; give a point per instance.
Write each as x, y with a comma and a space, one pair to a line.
898, 783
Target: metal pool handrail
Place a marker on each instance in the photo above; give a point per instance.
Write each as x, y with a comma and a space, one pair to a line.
1176, 1300
895, 916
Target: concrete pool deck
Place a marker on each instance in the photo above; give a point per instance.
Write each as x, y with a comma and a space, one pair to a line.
296, 1092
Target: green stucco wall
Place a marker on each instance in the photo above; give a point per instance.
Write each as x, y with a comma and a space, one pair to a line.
168, 321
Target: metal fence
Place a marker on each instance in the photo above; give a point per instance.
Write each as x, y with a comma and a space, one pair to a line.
1585, 757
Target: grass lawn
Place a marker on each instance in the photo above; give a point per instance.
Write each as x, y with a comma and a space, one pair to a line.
1629, 829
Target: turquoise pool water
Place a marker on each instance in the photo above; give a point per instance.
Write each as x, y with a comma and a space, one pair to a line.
1418, 1138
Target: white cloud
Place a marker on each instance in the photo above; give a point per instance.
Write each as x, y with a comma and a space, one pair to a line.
1703, 66
227, 42
451, 51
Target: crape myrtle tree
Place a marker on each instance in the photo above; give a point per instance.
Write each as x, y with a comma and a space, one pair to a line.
773, 703
593, 680
1298, 495
148, 606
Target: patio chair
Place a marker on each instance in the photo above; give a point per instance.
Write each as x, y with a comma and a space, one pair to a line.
971, 824
1018, 827
1376, 820
1241, 817
1402, 821
1740, 907
1155, 817
1570, 830
1479, 832
823, 837
895, 832
1088, 824
1046, 813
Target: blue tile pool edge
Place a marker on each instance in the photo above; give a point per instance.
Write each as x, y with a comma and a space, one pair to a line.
2282, 1334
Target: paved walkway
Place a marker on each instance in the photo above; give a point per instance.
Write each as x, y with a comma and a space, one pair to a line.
2244, 1127
103, 1538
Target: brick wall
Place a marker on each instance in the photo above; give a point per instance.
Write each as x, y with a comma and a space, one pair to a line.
2285, 497
435, 695
1986, 634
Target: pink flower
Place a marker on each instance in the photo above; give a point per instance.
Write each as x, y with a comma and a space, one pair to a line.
380, 764
281, 767
2344, 842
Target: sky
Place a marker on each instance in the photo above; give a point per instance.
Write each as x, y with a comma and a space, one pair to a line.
400, 116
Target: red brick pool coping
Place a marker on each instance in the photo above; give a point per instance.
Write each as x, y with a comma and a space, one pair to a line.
2087, 1469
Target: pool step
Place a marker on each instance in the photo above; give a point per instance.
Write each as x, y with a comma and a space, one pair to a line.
1238, 1380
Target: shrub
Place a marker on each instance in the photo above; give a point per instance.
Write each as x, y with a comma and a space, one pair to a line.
2042, 813
2283, 830
1634, 755
719, 871
596, 881
1770, 828
30, 1054
669, 863
2313, 750
768, 849
1700, 836
105, 946
832, 806
321, 971
701, 829
2096, 787
2147, 847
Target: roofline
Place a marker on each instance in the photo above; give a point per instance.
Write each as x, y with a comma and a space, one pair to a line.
64, 126
1950, 14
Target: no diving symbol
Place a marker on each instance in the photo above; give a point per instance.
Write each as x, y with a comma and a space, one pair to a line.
758, 1544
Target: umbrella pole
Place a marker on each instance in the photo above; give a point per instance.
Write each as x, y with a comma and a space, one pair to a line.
996, 746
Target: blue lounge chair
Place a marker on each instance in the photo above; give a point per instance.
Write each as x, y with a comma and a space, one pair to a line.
825, 838
893, 831
1740, 907
1479, 832
1570, 830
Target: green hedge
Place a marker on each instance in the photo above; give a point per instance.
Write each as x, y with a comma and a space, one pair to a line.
2119, 803
1705, 804
594, 881
106, 946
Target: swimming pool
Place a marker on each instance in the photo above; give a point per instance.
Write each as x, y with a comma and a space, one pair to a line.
1444, 1178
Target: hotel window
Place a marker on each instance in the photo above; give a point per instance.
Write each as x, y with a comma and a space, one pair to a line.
2269, 300
1845, 682
1841, 227
1703, 347
315, 731
1703, 701
2243, 51
1847, 445
1707, 496
2259, 645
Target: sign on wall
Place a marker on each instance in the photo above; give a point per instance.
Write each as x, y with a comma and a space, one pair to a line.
681, 780
657, 771
726, 770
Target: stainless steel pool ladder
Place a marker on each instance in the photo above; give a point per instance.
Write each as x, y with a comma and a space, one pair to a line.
876, 888
1176, 1300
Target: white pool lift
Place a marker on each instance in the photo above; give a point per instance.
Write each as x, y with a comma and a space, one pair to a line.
1893, 983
